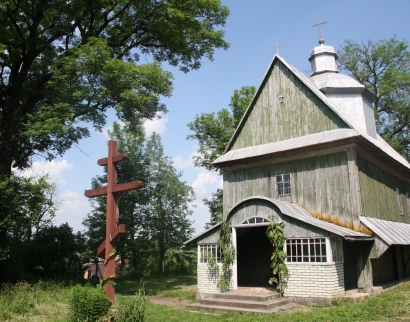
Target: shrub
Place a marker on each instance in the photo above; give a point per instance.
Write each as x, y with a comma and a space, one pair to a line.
88, 303
134, 309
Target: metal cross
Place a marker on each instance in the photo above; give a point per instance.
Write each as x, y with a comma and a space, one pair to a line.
319, 24
277, 47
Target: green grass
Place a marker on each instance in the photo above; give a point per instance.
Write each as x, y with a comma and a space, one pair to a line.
49, 302
166, 285
37, 302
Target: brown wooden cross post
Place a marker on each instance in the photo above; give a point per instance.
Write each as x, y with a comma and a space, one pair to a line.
113, 192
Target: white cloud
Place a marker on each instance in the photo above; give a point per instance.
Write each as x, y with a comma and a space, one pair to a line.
205, 183
184, 160
54, 169
157, 125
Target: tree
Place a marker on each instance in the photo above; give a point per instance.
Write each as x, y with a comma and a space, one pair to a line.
155, 216
166, 220
384, 68
66, 62
129, 204
213, 132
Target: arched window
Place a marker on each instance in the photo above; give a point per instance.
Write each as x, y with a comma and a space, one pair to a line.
255, 220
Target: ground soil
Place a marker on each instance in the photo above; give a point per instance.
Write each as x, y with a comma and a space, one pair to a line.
169, 301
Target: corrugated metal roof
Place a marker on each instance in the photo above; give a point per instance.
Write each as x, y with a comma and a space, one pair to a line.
301, 214
286, 145
393, 233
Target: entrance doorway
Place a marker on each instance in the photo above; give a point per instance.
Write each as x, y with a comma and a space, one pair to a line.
253, 256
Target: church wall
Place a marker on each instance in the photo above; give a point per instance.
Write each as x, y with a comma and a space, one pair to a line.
284, 109
319, 184
315, 281
208, 279
379, 197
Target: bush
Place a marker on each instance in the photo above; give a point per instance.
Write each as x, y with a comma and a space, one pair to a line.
134, 309
88, 303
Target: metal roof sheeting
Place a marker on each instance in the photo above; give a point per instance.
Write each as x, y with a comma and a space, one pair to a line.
301, 214
286, 145
393, 233
298, 213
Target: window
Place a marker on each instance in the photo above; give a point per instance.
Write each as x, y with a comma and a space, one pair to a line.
283, 184
255, 220
209, 251
310, 250
337, 248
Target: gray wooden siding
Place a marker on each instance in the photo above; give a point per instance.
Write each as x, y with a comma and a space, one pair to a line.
263, 208
319, 184
378, 193
300, 113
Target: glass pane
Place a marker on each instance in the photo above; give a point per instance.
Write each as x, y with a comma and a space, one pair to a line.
279, 178
323, 249
252, 220
305, 250
259, 220
317, 246
287, 188
286, 177
280, 189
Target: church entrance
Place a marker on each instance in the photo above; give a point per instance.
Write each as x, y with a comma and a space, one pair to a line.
253, 256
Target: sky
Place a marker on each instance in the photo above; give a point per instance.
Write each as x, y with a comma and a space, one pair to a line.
253, 29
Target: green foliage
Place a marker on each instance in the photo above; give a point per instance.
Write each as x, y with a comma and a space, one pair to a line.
181, 260
134, 309
62, 62
27, 208
156, 216
227, 251
278, 258
215, 206
88, 303
384, 68
213, 131
46, 299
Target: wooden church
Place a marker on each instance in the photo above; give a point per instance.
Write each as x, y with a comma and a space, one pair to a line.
307, 153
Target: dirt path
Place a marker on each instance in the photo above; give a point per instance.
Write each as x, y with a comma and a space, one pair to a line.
169, 301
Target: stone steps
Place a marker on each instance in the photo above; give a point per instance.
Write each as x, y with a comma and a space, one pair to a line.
246, 302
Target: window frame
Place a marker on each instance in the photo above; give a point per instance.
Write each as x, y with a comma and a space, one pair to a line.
282, 183
209, 249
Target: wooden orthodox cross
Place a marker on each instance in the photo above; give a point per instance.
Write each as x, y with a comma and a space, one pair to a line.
113, 192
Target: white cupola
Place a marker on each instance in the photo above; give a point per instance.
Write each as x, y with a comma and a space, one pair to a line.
347, 93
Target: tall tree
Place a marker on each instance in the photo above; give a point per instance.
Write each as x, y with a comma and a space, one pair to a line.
155, 216
129, 204
213, 132
66, 62
166, 220
384, 68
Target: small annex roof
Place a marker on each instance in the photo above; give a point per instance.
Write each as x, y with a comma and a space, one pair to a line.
296, 212
393, 233
378, 143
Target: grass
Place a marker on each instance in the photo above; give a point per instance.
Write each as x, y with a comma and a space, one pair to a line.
37, 302
48, 302
166, 285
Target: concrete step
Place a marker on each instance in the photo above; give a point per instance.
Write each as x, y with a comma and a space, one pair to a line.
248, 304
240, 309
248, 296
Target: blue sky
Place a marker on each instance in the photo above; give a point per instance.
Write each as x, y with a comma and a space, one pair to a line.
252, 30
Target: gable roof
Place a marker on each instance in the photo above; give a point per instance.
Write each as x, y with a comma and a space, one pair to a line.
379, 143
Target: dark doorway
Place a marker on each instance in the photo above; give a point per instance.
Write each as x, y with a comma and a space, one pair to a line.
253, 256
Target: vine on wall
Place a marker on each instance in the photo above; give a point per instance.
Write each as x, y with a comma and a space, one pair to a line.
227, 252
278, 258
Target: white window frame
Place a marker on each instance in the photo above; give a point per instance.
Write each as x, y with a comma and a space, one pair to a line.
283, 182
206, 251
333, 248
